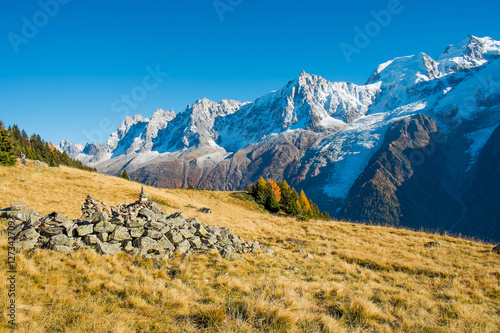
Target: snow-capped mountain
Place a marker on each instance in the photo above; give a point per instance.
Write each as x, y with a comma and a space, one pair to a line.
318, 135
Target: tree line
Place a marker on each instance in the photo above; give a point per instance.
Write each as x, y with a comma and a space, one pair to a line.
14, 141
279, 197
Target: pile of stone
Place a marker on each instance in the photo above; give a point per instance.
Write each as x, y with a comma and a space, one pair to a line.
141, 228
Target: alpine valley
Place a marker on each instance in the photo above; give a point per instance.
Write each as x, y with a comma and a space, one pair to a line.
418, 145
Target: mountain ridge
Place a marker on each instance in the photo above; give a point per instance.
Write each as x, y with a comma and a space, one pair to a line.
318, 135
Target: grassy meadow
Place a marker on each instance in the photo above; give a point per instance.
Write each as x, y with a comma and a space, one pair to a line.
323, 277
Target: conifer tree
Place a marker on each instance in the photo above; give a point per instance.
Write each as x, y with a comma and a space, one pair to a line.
125, 175
7, 149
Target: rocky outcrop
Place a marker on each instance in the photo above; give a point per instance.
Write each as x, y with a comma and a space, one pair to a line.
402, 184
141, 228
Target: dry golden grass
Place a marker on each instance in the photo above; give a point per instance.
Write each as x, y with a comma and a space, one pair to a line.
360, 279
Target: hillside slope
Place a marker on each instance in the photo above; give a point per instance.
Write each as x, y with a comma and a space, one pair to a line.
357, 278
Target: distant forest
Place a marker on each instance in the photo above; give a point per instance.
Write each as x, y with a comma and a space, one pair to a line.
14, 141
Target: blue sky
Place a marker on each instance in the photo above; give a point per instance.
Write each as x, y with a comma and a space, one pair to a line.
66, 65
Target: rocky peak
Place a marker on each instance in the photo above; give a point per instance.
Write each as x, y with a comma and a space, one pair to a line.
469, 53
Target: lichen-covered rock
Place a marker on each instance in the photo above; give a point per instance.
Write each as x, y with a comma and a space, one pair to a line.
183, 246
91, 240
155, 234
58, 240
108, 248
100, 216
29, 233
147, 213
136, 232
104, 226
145, 243
164, 243
135, 223
18, 206
85, 229
120, 234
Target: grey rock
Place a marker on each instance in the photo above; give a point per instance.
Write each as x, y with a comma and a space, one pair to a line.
164, 243
136, 232
155, 225
100, 216
200, 229
91, 240
26, 244
118, 220
14, 231
145, 243
28, 234
103, 236
175, 237
104, 227
155, 234
209, 241
135, 223
432, 244
18, 206
120, 234
52, 231
183, 246
178, 215
60, 240
496, 249
147, 213
186, 233
108, 248
195, 242
62, 248
84, 230
40, 164
127, 246
165, 229
59, 218
205, 210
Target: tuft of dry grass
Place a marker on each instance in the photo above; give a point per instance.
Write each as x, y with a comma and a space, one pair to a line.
360, 278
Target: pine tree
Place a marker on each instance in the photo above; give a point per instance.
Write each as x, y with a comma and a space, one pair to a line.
125, 175
148, 183
7, 149
137, 179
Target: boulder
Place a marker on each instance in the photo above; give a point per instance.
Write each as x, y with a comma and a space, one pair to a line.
62, 248
91, 240
200, 229
164, 243
183, 246
18, 206
100, 216
104, 226
136, 232
51, 231
103, 236
175, 237
60, 240
147, 213
120, 234
118, 220
135, 223
85, 229
108, 248
145, 243
496, 249
186, 233
195, 242
155, 234
155, 225
30, 233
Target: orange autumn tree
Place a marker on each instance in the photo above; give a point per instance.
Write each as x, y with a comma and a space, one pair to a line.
279, 197
275, 189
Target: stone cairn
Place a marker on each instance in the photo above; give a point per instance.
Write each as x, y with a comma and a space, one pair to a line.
141, 228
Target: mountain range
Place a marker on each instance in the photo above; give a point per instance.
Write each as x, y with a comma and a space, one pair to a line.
415, 146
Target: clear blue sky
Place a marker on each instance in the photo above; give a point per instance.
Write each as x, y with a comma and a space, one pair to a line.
64, 78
